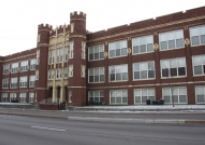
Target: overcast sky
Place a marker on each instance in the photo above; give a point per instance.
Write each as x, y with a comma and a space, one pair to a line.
19, 18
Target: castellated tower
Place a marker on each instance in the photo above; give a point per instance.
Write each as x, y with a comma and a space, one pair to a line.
42, 56
77, 80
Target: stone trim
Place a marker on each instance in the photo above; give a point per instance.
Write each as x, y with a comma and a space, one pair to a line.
147, 28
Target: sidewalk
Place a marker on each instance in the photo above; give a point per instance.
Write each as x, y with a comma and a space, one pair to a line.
189, 116
143, 108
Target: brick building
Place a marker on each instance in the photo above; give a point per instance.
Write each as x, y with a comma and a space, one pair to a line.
155, 59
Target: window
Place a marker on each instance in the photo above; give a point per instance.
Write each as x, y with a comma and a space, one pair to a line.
96, 75
66, 70
14, 67
14, 83
118, 48
119, 97
66, 53
72, 27
59, 73
143, 70
23, 82
24, 65
59, 54
13, 97
95, 97
33, 63
142, 44
70, 74
198, 63
51, 56
6, 68
83, 46
200, 94
118, 73
176, 94
96, 52
144, 94
82, 71
22, 98
32, 80
50, 74
31, 97
197, 35
173, 68
171, 40
70, 50
5, 83
4, 97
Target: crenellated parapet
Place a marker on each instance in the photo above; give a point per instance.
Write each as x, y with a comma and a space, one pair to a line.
78, 16
44, 27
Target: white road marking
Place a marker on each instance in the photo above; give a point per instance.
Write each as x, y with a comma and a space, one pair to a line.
48, 128
134, 120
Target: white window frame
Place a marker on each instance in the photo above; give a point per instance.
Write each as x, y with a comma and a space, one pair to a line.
23, 97
33, 64
95, 95
32, 80
23, 82
171, 36
70, 50
24, 66
198, 61
31, 97
144, 92
70, 74
169, 63
4, 97
144, 64
96, 71
199, 32
97, 50
118, 69
5, 83
13, 97
142, 41
14, 67
6, 68
199, 91
118, 94
172, 90
14, 83
118, 46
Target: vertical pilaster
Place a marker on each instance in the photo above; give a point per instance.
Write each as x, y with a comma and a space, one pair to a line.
77, 83
42, 48
190, 87
157, 66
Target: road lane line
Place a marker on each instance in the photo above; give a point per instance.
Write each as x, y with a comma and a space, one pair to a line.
49, 128
134, 120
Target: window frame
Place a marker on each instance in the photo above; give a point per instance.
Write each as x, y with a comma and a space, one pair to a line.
143, 38
95, 70
171, 32
169, 63
115, 45
116, 68
147, 71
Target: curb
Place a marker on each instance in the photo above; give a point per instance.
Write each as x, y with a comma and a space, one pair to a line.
108, 119
33, 115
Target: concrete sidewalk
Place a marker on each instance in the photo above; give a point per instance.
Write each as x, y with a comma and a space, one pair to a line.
141, 108
170, 117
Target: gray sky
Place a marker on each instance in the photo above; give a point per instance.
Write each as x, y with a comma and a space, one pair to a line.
19, 18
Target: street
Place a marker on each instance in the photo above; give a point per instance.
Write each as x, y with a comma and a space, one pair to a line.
19, 130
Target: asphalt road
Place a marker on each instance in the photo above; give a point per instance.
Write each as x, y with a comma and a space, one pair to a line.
16, 130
